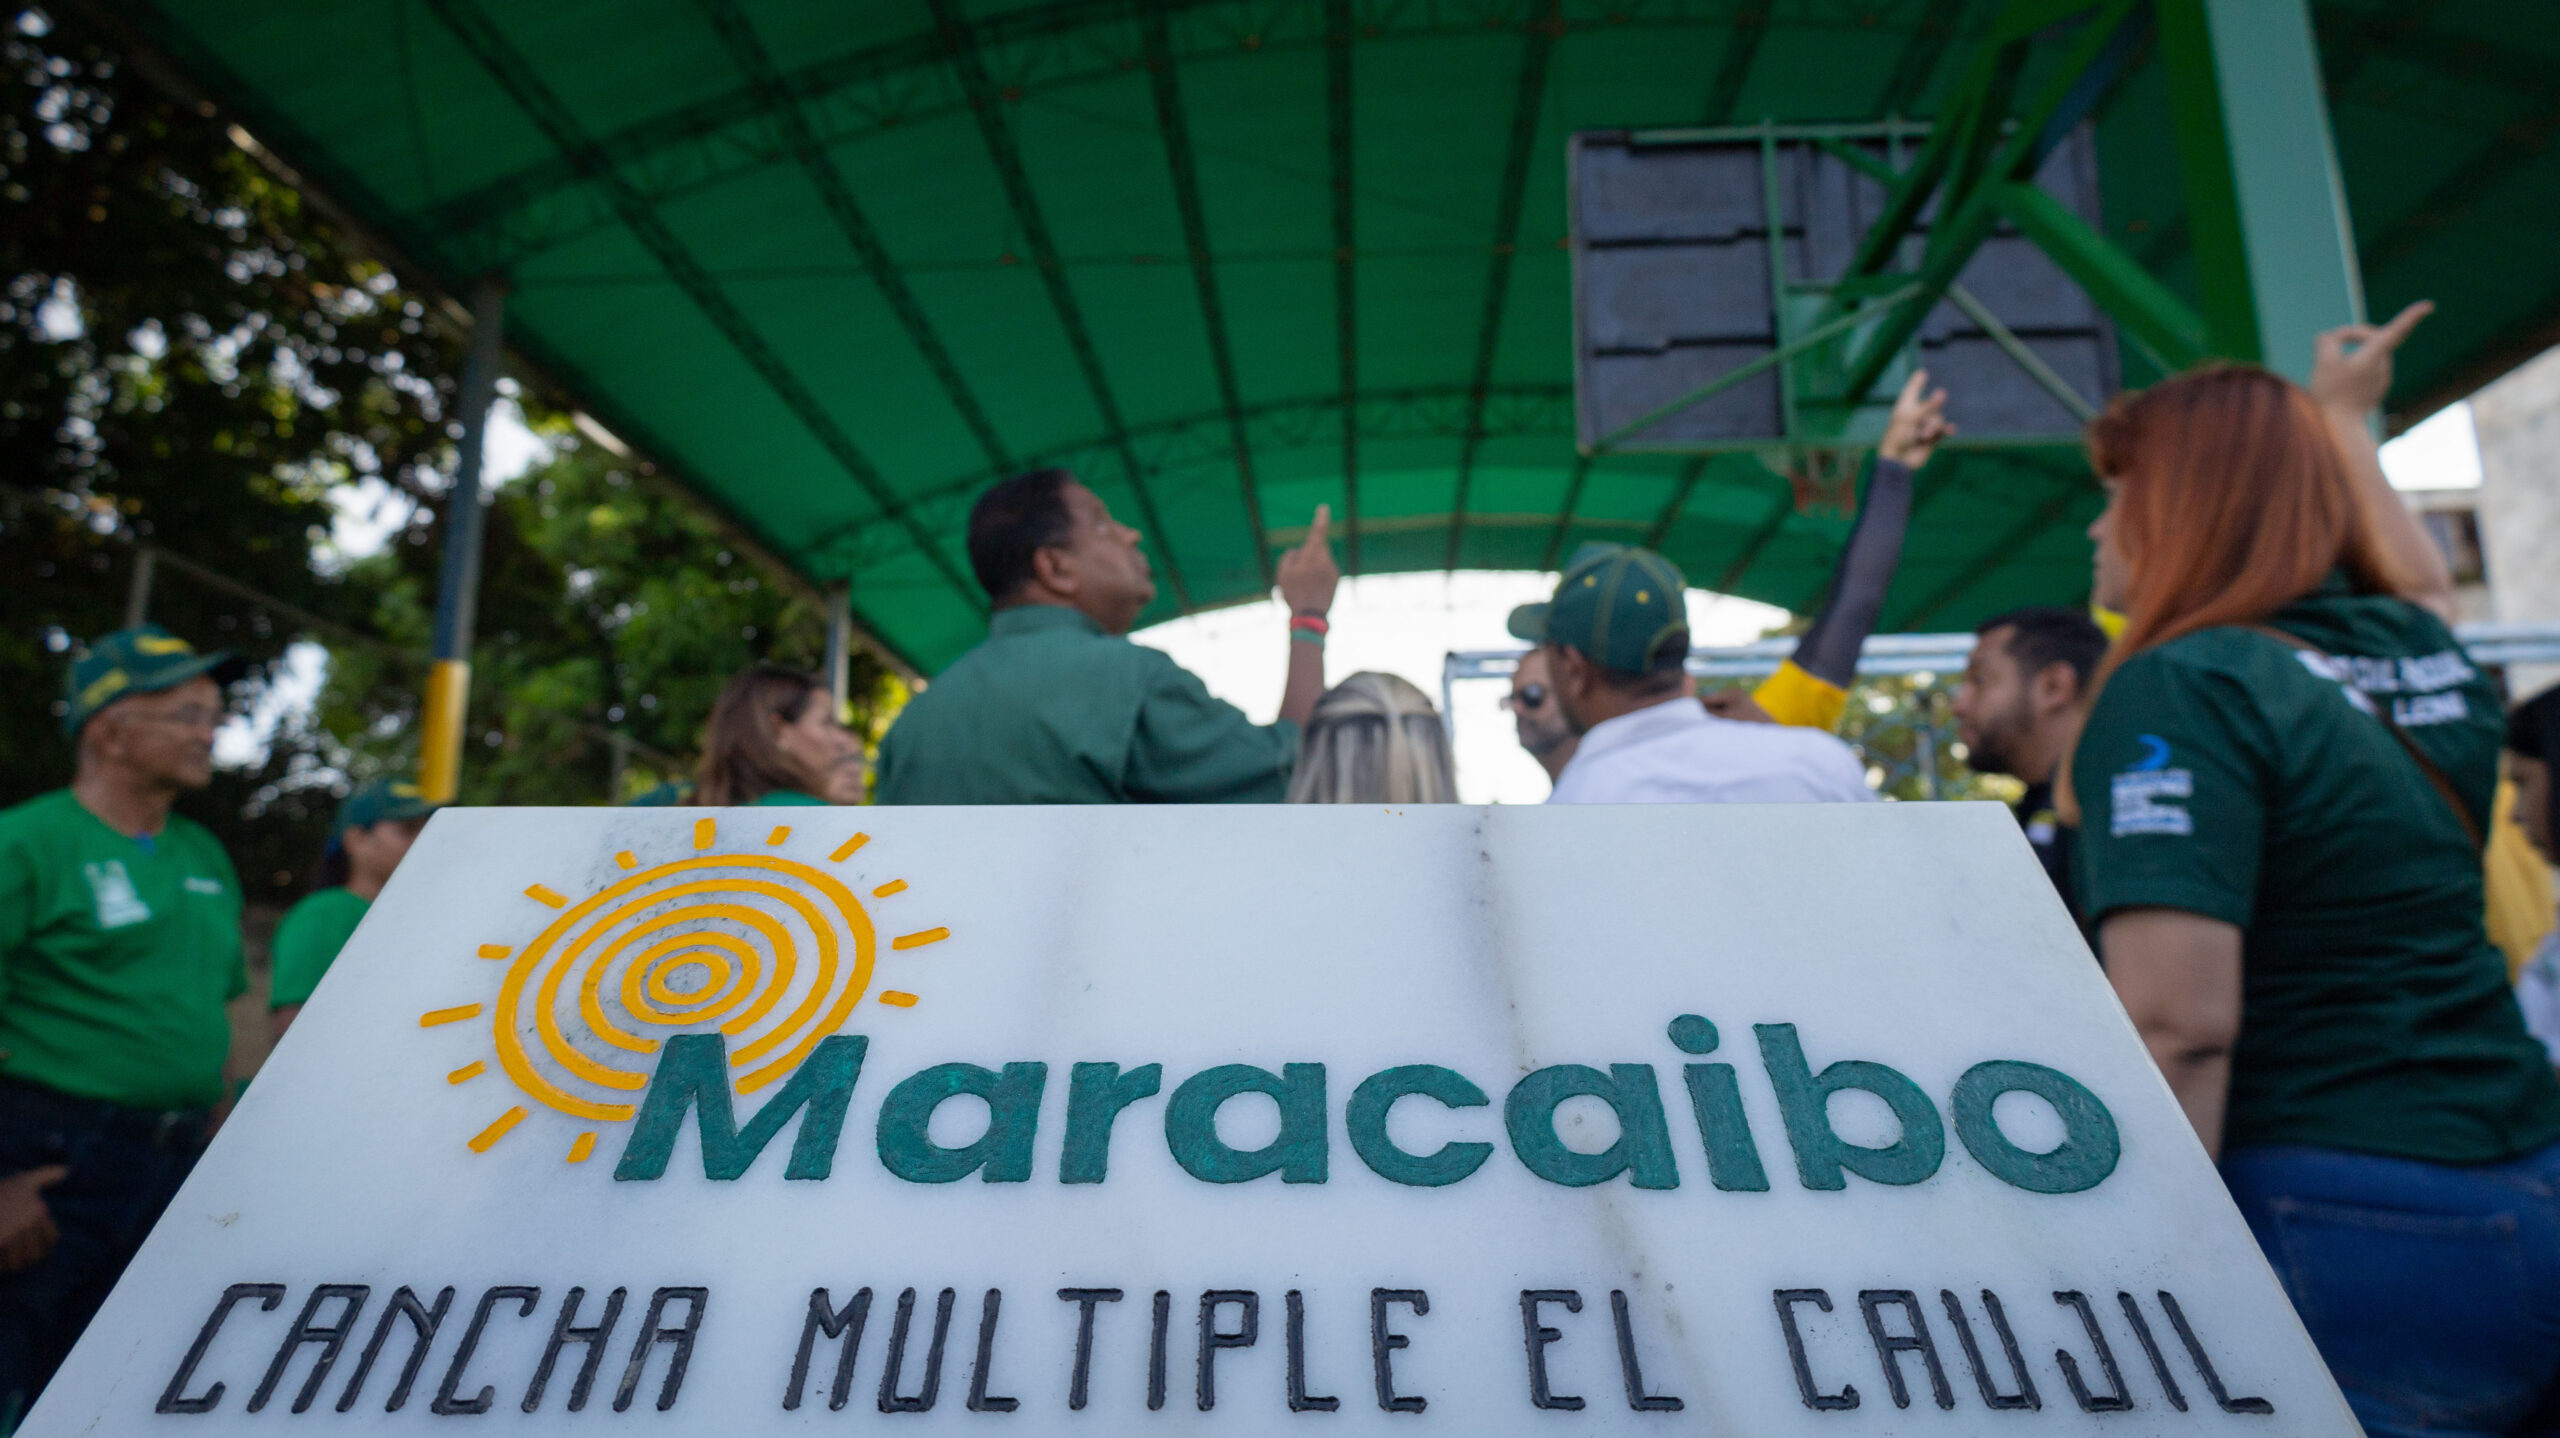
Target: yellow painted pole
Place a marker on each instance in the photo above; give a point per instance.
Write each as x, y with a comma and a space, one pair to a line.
448, 697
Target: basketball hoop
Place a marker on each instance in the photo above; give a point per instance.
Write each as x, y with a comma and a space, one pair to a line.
1824, 478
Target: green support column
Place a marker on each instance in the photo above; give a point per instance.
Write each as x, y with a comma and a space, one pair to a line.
2266, 210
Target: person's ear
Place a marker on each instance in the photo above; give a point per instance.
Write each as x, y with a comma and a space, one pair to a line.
1055, 568
2055, 687
102, 738
1570, 670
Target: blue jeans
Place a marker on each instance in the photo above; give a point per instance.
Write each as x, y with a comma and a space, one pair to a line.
2432, 1291
126, 1165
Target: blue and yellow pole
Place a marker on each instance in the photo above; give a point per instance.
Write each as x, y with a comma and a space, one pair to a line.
448, 696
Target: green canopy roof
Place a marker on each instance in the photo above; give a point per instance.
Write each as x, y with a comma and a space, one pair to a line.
836, 266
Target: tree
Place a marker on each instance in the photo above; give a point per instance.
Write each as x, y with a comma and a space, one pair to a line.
189, 357
611, 605
194, 357
1903, 724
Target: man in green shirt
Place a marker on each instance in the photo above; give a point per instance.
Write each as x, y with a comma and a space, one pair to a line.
1057, 707
119, 946
376, 825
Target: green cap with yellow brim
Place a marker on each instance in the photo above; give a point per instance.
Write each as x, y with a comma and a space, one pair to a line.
1621, 606
378, 800
142, 660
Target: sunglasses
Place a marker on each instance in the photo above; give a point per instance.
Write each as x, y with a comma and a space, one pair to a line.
1527, 696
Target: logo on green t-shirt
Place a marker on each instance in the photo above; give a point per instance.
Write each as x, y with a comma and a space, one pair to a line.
118, 903
2140, 788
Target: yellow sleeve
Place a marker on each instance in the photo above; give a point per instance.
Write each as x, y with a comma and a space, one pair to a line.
1795, 696
2519, 885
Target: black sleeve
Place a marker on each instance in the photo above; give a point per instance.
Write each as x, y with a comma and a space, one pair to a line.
1829, 650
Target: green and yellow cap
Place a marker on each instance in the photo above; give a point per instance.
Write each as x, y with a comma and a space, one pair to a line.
142, 660
1621, 606
381, 799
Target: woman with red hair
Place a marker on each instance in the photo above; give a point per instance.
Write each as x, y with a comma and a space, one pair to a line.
2283, 781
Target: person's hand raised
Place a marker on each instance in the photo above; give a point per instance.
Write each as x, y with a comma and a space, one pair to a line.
1919, 422
27, 1233
2355, 381
1308, 574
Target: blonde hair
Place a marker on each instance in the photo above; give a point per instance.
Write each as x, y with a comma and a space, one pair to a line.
1375, 739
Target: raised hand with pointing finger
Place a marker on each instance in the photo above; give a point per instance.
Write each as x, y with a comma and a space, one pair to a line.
1307, 579
1308, 574
2354, 381
2350, 376
1919, 422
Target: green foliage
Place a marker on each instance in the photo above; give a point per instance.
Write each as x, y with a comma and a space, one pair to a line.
1901, 723
609, 604
1904, 727
192, 356
188, 356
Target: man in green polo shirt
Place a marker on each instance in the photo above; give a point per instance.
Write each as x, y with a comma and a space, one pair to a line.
119, 946
1057, 707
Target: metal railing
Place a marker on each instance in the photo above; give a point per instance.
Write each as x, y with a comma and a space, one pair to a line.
2525, 642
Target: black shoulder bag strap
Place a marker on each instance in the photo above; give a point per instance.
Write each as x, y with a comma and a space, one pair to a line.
2381, 710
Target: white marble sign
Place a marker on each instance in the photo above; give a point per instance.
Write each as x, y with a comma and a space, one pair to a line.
1257, 1120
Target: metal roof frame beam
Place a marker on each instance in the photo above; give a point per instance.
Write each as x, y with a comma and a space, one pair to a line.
747, 51
986, 102
1165, 84
1573, 487
2394, 27
1918, 63
1529, 95
2517, 144
516, 77
1733, 68
1749, 554
1968, 164
521, 210
1274, 426
1974, 570
1681, 489
1346, 315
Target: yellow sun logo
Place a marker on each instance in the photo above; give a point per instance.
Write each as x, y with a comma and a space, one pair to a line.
770, 952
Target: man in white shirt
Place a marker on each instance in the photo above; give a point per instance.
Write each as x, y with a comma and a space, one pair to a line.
1615, 638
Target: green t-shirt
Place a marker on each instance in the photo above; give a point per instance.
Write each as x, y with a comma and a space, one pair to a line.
116, 956
789, 799
309, 939
1051, 710
2228, 774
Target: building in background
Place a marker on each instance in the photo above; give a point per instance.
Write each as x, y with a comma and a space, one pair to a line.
2517, 520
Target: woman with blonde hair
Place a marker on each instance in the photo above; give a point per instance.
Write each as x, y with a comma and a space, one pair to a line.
774, 738
2282, 786
1375, 739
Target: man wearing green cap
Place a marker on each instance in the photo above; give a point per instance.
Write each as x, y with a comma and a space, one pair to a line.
119, 946
1616, 641
376, 825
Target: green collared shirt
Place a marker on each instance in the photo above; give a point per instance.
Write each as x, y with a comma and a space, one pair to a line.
1051, 710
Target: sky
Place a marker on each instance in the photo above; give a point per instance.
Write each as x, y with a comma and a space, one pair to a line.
1400, 624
